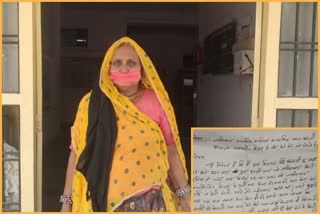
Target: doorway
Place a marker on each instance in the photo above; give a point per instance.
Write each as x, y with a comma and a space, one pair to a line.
169, 33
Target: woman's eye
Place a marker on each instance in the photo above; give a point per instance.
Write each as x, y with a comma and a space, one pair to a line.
132, 64
116, 63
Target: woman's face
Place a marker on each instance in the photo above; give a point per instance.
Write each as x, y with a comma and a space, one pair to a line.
125, 60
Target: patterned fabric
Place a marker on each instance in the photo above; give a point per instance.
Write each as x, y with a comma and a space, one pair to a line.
150, 105
151, 201
140, 157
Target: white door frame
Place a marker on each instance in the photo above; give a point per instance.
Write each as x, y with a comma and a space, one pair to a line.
26, 99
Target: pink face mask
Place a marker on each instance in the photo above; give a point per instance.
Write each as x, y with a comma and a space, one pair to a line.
132, 76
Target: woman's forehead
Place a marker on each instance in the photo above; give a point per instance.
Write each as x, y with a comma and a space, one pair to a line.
126, 52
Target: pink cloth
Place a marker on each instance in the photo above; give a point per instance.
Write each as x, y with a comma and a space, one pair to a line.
150, 106
132, 76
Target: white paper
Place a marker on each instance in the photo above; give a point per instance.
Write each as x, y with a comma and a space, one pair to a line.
255, 170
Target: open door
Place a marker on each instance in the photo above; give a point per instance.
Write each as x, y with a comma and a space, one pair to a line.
286, 65
19, 109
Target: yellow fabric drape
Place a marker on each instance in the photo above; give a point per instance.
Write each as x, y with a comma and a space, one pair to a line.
140, 158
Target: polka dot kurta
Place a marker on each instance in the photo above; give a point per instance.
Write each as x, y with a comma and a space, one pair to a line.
140, 156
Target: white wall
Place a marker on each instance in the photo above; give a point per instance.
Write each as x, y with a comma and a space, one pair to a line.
215, 15
225, 99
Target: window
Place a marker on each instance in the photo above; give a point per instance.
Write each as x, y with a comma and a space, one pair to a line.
11, 158
297, 118
298, 64
10, 113
10, 48
18, 103
74, 37
286, 66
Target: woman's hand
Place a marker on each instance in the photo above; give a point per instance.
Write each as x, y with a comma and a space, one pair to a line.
68, 185
66, 207
185, 203
177, 177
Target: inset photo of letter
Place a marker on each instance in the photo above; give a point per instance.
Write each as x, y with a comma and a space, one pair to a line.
255, 170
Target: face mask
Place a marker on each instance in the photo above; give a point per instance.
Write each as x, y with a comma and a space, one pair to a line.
132, 76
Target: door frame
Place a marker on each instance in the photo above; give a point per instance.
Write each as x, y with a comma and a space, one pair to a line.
29, 101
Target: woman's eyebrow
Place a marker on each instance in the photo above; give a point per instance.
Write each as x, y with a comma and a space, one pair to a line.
116, 60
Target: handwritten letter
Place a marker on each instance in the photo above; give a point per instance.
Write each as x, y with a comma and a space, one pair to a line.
255, 170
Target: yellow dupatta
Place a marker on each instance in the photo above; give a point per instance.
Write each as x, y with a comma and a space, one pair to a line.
140, 157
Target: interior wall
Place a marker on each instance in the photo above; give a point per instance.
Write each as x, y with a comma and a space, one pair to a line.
51, 69
224, 99
54, 158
